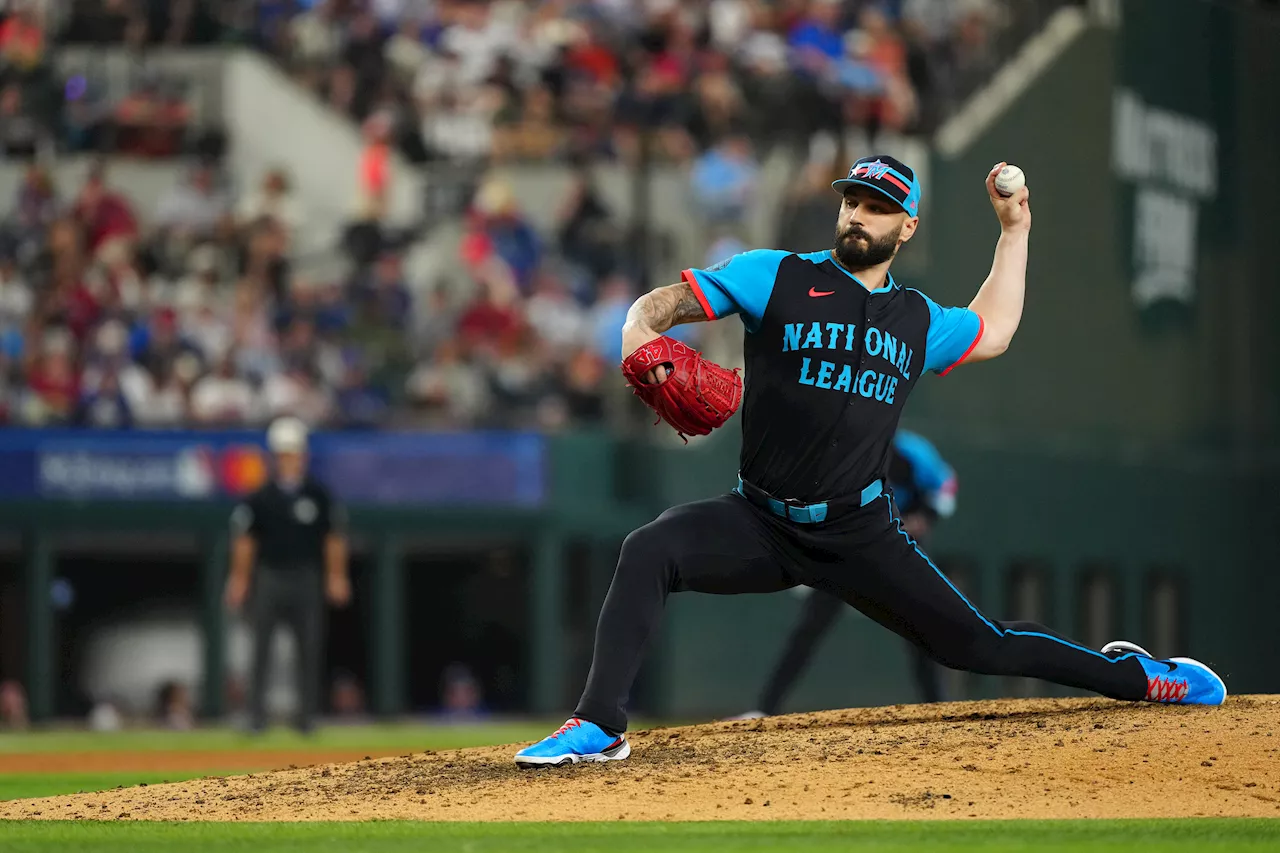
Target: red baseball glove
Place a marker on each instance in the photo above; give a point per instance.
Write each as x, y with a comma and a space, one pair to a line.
697, 396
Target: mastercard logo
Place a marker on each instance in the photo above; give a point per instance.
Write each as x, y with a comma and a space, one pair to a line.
242, 469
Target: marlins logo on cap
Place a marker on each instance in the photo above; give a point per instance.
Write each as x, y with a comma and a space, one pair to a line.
875, 169
887, 176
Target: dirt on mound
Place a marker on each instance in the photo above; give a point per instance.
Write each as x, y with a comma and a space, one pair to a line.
1008, 759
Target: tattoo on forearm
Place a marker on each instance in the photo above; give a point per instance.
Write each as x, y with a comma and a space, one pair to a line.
667, 306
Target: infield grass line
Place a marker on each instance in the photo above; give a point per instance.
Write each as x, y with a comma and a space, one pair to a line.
26, 786
408, 736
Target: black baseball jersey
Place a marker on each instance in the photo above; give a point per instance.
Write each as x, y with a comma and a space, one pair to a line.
290, 526
829, 366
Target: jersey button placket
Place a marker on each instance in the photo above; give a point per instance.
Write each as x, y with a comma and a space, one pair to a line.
862, 349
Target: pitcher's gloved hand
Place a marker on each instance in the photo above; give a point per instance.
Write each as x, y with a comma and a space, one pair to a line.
695, 397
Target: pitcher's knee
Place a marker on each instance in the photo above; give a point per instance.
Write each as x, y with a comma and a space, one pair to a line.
644, 544
645, 552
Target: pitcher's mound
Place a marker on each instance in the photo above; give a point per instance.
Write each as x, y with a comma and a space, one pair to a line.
1008, 759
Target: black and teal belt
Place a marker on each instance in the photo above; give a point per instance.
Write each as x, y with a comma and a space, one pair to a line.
805, 513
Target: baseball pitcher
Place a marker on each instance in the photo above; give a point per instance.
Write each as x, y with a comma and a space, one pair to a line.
834, 347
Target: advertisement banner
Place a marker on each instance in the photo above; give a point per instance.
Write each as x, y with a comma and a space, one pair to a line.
487, 469
1172, 102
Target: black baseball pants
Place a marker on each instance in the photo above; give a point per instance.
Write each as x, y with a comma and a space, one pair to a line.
296, 598
728, 546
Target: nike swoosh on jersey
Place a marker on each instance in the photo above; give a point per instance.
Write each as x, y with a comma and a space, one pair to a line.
813, 291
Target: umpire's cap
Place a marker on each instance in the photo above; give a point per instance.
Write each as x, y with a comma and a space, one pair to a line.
287, 435
887, 176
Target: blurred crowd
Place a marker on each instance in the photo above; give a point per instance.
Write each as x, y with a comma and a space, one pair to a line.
29, 100
195, 314
198, 312
545, 79
563, 78
538, 79
46, 109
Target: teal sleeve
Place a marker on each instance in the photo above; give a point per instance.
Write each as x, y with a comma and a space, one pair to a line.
953, 333
740, 285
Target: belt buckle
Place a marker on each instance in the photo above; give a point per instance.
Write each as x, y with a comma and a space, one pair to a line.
803, 511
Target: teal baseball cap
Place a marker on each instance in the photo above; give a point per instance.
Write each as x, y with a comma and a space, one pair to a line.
888, 176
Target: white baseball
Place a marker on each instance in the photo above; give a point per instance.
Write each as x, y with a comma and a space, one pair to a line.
1010, 180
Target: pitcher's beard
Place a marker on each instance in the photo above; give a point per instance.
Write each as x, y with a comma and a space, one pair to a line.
856, 255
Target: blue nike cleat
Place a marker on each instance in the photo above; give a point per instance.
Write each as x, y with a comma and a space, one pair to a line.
1182, 681
576, 741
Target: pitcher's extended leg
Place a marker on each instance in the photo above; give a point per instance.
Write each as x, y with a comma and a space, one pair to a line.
894, 582
716, 546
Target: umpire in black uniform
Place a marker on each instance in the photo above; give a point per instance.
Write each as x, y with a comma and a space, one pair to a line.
293, 533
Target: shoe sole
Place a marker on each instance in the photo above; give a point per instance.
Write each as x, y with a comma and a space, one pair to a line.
1216, 677
618, 753
1126, 646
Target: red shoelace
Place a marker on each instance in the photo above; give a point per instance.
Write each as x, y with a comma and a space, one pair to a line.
569, 724
1162, 689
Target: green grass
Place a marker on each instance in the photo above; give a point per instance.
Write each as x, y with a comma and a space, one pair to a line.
380, 739
408, 736
23, 786
1193, 836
